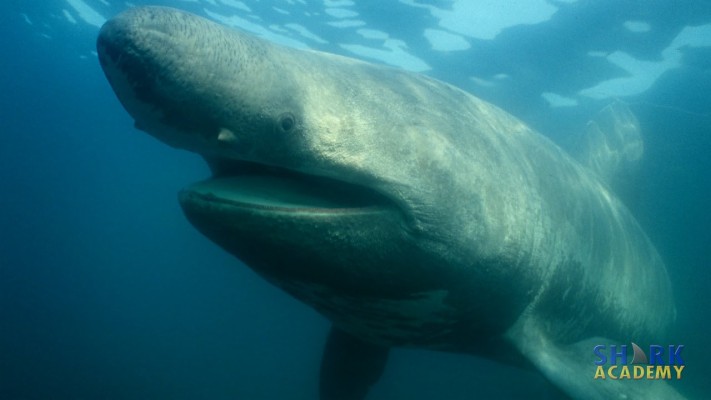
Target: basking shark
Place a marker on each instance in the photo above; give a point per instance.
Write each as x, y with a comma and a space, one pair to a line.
406, 211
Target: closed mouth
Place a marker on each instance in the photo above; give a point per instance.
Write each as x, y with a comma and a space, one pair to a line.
257, 186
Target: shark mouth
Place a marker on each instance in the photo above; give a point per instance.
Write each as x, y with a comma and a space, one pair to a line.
250, 185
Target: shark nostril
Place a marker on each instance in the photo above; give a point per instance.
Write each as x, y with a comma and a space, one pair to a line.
226, 136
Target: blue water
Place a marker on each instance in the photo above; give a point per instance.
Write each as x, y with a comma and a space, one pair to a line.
107, 292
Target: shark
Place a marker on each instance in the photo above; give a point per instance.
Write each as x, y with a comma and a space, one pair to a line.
406, 211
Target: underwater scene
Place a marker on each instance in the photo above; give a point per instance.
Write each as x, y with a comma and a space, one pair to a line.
340, 199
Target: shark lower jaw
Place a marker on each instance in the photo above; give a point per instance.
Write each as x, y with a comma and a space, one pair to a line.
291, 227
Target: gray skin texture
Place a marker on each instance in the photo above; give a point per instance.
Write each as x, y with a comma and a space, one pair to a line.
406, 211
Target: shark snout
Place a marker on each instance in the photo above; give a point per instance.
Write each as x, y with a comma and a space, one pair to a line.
199, 86
153, 58
129, 72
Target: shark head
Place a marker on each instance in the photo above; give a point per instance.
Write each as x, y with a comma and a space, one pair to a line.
337, 180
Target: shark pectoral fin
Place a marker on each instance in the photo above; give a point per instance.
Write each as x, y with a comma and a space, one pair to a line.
350, 366
612, 147
571, 367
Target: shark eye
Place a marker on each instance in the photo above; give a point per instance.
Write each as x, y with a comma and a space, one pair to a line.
287, 122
